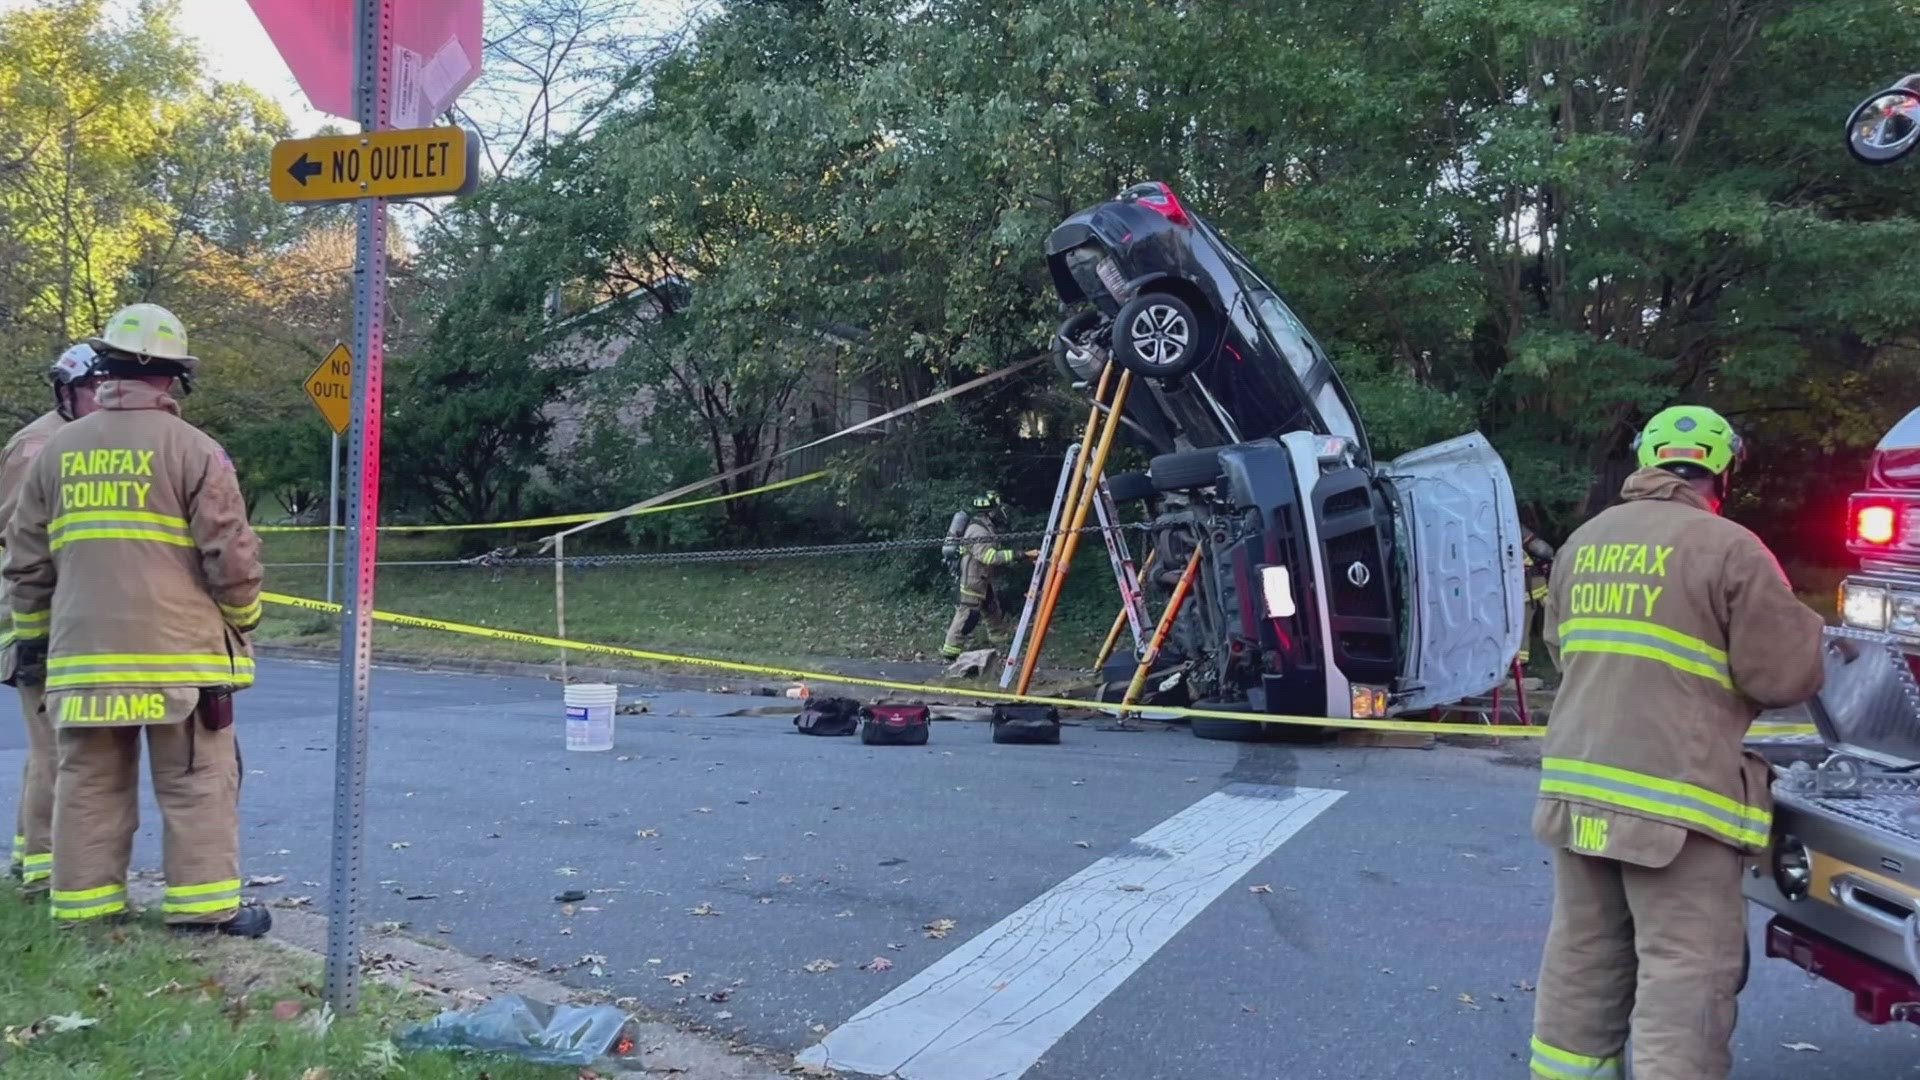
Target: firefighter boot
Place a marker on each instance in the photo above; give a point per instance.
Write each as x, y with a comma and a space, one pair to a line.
196, 781
251, 921
33, 836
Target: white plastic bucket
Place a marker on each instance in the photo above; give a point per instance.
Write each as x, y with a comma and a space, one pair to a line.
590, 709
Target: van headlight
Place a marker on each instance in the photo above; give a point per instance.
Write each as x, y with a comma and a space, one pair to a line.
1792, 870
1276, 588
1863, 606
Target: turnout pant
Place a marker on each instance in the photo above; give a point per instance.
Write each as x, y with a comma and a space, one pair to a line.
33, 829
1657, 955
196, 782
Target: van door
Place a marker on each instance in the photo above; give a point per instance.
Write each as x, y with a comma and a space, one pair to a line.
1462, 571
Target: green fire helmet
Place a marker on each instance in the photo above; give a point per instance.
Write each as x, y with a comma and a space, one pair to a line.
1689, 435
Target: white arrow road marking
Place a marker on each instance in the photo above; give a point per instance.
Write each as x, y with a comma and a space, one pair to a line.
990, 1008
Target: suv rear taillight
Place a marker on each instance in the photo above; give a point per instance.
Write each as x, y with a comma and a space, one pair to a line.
1159, 198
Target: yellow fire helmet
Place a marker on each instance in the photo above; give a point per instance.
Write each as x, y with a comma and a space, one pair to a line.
146, 332
1689, 435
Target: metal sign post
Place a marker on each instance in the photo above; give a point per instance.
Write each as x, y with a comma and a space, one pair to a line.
373, 28
330, 388
333, 514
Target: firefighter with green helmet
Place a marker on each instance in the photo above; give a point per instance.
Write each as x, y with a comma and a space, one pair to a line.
975, 554
1672, 628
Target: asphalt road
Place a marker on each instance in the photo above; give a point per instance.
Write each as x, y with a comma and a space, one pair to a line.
1397, 933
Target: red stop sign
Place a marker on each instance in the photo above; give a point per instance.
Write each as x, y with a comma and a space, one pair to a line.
433, 54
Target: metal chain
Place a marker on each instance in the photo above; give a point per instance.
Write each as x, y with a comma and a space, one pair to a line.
507, 556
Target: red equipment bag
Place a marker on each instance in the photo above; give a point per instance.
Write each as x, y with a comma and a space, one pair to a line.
894, 725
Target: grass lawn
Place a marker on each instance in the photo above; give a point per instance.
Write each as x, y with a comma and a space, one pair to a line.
789, 611
119, 1003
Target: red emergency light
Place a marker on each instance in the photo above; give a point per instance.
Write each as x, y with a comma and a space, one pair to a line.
1876, 524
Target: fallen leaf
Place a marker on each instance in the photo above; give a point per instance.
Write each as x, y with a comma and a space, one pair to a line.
1133, 888
398, 844
70, 1022
1801, 1047
717, 996
648, 834
1259, 888
264, 880
939, 928
896, 946
703, 909
1467, 1000
287, 1010
878, 963
818, 967
785, 879
678, 978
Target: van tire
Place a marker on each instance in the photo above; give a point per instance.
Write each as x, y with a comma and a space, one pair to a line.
1130, 487
1184, 471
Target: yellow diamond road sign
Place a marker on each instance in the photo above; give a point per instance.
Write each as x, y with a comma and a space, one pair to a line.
395, 164
331, 388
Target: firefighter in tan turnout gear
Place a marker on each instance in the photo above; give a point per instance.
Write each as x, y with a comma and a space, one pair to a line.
131, 549
980, 555
32, 862
1672, 627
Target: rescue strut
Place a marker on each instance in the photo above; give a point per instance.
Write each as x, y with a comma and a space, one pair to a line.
1161, 632
1065, 495
1105, 426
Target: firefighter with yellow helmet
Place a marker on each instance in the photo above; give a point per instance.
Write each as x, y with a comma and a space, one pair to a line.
1672, 628
974, 540
134, 577
72, 377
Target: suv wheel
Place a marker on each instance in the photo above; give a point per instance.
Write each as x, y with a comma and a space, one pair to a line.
1207, 727
1077, 349
1158, 335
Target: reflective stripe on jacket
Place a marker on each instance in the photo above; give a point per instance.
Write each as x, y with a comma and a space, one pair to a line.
131, 545
14, 462
1672, 628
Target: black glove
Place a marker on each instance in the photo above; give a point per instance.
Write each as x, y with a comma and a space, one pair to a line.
29, 663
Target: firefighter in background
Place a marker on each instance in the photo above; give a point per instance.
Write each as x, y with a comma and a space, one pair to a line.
131, 545
1672, 627
32, 862
979, 555
1539, 560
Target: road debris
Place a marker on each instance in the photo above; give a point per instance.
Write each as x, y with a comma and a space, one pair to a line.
939, 928
818, 967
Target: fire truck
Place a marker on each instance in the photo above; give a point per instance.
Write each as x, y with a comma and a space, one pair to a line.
1842, 874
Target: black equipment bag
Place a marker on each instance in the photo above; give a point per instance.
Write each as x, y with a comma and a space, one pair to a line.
894, 725
829, 716
1026, 724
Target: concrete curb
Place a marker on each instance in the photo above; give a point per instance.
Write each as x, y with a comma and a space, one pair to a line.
455, 980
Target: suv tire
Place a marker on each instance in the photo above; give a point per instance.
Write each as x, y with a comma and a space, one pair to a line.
1158, 335
1184, 471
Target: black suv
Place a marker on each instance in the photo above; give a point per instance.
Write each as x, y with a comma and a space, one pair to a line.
1331, 585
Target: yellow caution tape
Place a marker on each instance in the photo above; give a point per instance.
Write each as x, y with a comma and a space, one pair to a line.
564, 519
1760, 728
889, 684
